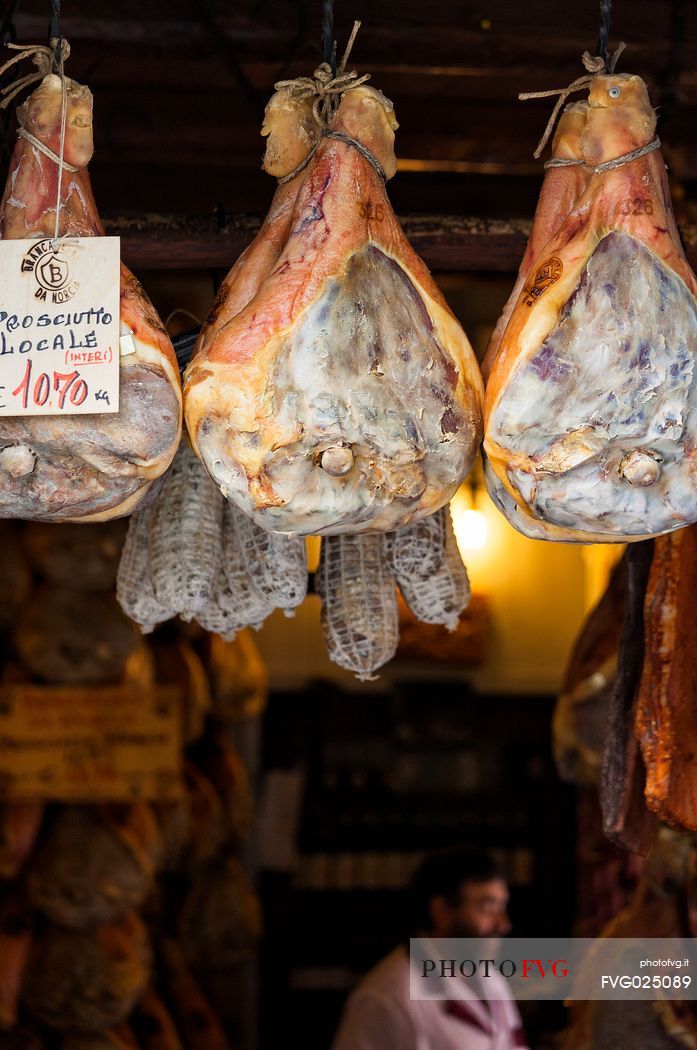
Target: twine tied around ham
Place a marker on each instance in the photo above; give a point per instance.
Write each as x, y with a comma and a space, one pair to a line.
594, 65
328, 88
608, 165
325, 85
45, 58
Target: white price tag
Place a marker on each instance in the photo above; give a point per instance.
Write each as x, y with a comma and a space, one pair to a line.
59, 326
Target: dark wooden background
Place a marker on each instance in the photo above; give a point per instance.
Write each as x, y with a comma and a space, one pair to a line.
180, 89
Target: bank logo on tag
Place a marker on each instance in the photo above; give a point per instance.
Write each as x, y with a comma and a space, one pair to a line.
52, 271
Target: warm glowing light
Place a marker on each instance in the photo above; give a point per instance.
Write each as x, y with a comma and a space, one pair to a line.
312, 546
470, 529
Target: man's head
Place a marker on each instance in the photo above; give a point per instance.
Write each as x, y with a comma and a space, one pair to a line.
459, 892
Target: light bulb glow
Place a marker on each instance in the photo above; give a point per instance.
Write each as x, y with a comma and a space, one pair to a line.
470, 529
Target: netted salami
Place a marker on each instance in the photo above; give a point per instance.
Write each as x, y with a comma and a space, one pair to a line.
185, 538
275, 562
134, 587
238, 599
419, 549
359, 603
442, 596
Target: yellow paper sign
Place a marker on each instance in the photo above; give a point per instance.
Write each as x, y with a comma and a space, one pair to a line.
99, 744
59, 326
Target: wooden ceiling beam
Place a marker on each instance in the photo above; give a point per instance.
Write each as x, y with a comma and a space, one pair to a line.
515, 32
448, 244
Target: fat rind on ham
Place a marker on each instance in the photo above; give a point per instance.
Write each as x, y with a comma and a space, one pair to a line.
83, 467
343, 396
590, 417
563, 184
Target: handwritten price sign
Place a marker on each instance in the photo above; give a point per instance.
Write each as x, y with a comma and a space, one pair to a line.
59, 326
97, 744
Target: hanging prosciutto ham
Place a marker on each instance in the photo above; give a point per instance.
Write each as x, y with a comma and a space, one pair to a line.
344, 396
590, 427
83, 468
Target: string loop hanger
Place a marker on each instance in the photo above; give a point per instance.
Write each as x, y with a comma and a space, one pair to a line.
594, 66
327, 85
47, 59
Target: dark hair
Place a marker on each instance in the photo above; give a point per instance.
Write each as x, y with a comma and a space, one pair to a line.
443, 874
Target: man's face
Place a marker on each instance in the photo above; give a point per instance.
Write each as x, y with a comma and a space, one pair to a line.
481, 911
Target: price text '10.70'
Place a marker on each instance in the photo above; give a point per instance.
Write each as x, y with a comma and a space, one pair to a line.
68, 386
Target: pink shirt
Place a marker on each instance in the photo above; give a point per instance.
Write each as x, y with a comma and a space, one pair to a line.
379, 1015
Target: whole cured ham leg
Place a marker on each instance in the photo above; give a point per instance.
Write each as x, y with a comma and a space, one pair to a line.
219, 762
344, 397
83, 467
665, 724
588, 411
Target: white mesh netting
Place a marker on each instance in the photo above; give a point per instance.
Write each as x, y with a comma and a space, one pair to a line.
418, 549
239, 598
442, 596
186, 535
134, 589
359, 603
275, 562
